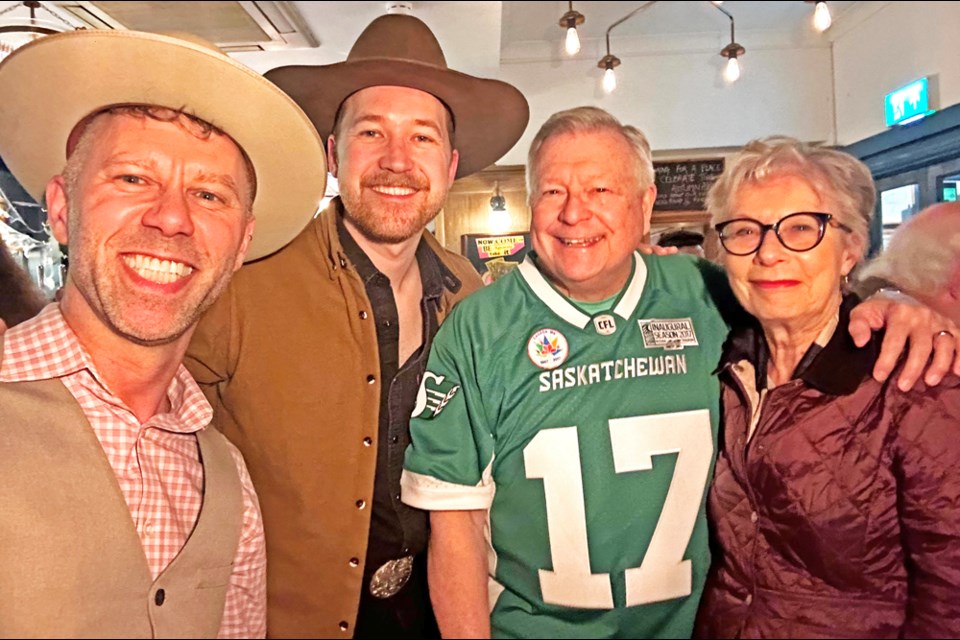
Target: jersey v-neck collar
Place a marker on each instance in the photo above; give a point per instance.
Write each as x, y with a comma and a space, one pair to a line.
625, 306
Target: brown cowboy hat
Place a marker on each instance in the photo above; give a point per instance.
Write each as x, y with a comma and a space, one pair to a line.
400, 50
52, 84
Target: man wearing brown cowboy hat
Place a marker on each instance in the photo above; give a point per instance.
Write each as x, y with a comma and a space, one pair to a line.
315, 354
123, 514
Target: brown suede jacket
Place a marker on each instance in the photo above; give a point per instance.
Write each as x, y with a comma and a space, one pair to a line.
288, 358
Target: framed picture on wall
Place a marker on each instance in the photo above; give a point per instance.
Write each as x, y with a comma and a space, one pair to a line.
494, 256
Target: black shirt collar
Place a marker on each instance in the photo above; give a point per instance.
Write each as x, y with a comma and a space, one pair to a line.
433, 274
837, 368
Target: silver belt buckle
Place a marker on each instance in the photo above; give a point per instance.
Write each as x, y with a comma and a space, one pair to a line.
390, 578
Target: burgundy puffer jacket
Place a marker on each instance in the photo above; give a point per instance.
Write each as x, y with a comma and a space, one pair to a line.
840, 516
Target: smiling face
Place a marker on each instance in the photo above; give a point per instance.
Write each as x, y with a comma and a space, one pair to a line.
799, 290
589, 212
393, 160
156, 222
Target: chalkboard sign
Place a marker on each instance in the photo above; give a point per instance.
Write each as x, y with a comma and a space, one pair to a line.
683, 186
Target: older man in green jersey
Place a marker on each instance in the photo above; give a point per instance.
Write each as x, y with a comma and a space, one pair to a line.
564, 434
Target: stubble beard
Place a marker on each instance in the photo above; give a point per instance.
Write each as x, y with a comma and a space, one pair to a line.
391, 224
148, 320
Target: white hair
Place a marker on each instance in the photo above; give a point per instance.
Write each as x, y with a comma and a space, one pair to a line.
837, 178
589, 120
921, 258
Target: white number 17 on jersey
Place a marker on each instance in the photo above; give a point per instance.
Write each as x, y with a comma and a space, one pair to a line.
554, 455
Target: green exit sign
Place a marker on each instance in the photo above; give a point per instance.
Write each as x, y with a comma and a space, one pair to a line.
909, 103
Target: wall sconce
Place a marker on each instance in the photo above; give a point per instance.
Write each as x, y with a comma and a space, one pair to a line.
569, 21
18, 31
610, 61
821, 15
499, 216
731, 72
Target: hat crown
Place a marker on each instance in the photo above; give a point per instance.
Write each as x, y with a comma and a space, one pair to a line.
399, 37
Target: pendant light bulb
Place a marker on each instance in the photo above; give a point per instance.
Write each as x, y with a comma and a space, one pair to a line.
609, 80
821, 17
572, 44
569, 22
608, 63
731, 72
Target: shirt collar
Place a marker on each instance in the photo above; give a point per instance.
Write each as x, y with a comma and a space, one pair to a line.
629, 296
46, 348
432, 271
41, 348
836, 368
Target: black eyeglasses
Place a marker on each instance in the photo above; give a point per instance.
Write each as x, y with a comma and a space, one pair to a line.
801, 231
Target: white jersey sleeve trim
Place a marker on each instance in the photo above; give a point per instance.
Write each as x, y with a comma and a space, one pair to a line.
431, 494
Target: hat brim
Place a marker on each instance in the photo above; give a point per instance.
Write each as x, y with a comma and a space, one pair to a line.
50, 85
490, 115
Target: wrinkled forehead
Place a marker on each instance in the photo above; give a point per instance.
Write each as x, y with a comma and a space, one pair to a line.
98, 121
196, 126
779, 186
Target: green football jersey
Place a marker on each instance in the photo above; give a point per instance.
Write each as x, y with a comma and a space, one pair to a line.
591, 441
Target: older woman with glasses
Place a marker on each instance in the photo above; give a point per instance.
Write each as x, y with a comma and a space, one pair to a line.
836, 499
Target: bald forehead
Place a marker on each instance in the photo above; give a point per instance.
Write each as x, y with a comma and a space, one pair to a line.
944, 211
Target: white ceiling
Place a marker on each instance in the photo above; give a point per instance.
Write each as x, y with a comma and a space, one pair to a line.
477, 37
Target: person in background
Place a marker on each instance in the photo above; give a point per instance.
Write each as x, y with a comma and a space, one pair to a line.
564, 449
833, 506
314, 356
923, 259
685, 240
107, 457
20, 299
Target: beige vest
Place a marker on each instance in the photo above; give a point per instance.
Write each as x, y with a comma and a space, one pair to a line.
71, 562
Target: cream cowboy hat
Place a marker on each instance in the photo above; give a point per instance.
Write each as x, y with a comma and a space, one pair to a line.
50, 85
400, 50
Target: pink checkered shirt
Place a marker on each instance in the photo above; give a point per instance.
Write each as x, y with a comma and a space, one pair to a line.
158, 468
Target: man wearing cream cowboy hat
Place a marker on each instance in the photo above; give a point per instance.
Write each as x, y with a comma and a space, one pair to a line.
154, 155
315, 354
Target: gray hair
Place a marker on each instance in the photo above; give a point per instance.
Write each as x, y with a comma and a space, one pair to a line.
588, 120
921, 258
835, 176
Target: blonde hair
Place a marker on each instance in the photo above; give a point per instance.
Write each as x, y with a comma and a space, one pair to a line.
835, 176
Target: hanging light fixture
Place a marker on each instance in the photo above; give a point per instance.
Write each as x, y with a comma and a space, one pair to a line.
569, 21
19, 30
821, 15
609, 62
499, 216
732, 52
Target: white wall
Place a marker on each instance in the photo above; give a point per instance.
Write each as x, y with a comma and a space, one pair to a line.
672, 89
898, 42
